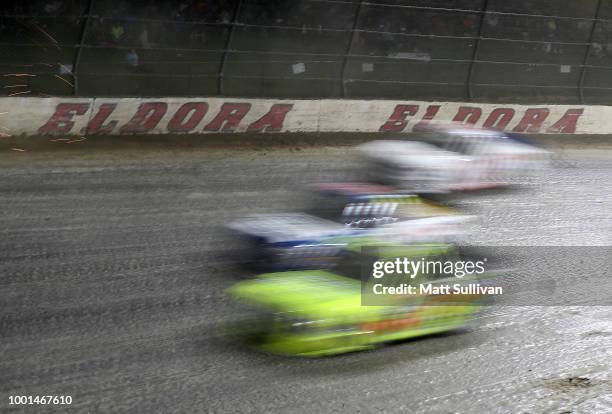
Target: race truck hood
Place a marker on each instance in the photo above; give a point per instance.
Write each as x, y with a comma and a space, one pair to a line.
312, 295
320, 297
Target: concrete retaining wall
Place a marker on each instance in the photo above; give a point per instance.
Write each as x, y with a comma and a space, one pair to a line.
114, 116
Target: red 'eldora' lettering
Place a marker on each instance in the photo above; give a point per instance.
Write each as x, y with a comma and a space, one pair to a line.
468, 114
568, 122
96, 124
499, 118
187, 117
229, 117
61, 120
146, 118
397, 122
532, 120
273, 120
430, 114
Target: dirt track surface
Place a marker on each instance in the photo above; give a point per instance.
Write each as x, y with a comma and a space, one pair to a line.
113, 266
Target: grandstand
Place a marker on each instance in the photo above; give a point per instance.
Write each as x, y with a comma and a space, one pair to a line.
531, 51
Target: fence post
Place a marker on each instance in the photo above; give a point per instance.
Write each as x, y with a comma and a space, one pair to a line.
228, 44
77, 57
587, 53
468, 82
349, 47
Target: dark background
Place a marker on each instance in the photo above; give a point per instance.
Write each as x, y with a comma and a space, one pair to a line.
487, 50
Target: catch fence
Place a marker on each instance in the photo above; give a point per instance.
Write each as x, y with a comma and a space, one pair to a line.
523, 51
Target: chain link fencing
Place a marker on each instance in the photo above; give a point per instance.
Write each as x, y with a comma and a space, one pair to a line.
522, 51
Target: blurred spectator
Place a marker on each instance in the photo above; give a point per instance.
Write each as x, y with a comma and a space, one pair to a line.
52, 7
200, 7
198, 35
144, 38
469, 23
584, 25
225, 16
597, 50
435, 22
551, 35
183, 10
117, 31
132, 59
492, 20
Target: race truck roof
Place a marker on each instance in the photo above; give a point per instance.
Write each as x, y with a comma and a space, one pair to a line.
277, 228
400, 152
